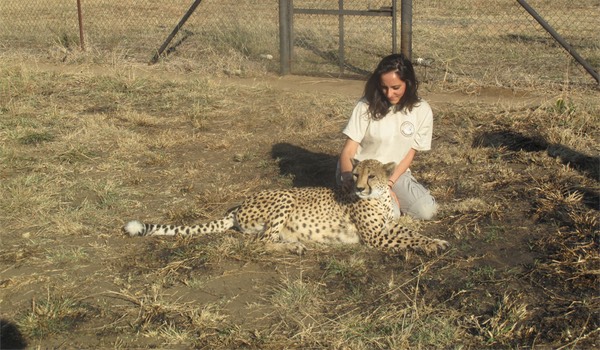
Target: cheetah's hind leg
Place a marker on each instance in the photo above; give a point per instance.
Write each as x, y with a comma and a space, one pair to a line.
404, 238
273, 241
285, 246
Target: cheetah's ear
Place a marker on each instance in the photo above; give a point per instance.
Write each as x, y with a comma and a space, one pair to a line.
389, 168
354, 162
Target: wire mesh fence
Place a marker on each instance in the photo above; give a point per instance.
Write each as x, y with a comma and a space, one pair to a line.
499, 42
327, 43
472, 41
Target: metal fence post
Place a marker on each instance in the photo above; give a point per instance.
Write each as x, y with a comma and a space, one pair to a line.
394, 26
406, 28
179, 25
560, 40
341, 59
285, 35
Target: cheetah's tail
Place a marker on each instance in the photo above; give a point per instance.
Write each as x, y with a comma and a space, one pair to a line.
138, 228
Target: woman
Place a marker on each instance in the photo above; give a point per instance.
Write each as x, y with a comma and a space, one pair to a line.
391, 123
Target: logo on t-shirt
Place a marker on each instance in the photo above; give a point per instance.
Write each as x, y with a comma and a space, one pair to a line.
407, 129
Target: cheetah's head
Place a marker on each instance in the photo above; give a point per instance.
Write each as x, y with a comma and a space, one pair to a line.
371, 177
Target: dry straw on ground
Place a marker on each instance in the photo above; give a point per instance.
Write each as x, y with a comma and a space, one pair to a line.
84, 148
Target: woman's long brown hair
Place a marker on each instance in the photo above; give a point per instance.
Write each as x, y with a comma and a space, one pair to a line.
379, 105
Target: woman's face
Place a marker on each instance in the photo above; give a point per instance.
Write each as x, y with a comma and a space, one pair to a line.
392, 87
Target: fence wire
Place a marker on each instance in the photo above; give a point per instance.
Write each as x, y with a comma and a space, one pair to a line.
483, 42
498, 41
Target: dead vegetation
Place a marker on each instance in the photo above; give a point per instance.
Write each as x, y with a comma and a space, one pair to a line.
83, 152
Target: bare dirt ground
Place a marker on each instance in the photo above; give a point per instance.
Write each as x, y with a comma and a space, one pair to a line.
350, 88
498, 286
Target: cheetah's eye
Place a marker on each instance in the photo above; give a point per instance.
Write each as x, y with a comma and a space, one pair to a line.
371, 177
355, 176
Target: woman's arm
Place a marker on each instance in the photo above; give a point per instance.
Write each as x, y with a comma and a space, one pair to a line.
403, 165
346, 156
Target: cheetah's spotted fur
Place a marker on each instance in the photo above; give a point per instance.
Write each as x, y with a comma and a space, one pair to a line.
287, 217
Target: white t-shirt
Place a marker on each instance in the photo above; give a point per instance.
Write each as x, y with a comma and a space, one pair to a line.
390, 138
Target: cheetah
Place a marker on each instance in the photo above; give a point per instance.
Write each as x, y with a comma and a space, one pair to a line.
286, 218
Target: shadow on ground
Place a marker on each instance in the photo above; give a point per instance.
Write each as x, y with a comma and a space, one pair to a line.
10, 336
587, 165
330, 56
307, 168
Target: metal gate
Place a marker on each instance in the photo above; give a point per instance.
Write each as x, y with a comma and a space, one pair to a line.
296, 36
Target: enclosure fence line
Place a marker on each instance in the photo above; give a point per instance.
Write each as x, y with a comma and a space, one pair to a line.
500, 43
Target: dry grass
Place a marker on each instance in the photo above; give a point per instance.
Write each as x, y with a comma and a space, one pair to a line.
84, 150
